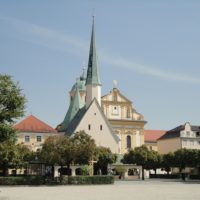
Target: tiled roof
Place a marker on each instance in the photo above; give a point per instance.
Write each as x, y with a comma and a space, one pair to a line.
33, 124
153, 135
174, 133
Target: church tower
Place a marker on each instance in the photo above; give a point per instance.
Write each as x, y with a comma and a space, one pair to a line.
93, 84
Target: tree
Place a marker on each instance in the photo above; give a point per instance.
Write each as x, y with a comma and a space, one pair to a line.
104, 156
12, 104
138, 156
84, 148
168, 162
13, 156
58, 150
154, 160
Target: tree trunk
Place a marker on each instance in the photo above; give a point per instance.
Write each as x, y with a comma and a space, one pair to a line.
155, 171
52, 171
5, 170
142, 172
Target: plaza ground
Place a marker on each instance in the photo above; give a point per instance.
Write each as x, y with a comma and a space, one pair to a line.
127, 190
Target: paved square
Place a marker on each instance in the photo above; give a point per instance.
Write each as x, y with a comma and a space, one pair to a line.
121, 190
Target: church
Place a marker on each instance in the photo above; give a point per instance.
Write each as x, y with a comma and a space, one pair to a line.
111, 120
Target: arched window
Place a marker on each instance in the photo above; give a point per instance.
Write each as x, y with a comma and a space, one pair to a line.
128, 142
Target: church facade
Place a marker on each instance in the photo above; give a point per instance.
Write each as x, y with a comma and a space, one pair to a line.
110, 120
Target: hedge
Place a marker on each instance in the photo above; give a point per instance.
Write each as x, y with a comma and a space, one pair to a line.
22, 180
194, 177
63, 180
165, 176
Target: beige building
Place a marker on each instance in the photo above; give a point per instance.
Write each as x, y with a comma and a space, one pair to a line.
184, 136
126, 122
32, 132
151, 137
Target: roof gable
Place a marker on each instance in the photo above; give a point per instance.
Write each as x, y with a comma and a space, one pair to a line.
80, 115
35, 125
119, 96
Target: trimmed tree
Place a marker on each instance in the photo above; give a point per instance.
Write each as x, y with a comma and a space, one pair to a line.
104, 157
138, 156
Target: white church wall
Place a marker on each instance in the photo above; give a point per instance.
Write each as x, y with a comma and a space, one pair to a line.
94, 125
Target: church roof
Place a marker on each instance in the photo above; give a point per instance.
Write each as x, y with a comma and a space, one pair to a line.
80, 83
75, 105
33, 124
153, 135
93, 68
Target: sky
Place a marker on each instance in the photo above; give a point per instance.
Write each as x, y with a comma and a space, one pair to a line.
151, 48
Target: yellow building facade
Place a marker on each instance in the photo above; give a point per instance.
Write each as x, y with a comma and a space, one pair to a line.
126, 122
33, 132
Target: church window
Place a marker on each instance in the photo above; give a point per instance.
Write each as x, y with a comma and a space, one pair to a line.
101, 127
115, 110
89, 126
128, 142
128, 113
27, 138
115, 97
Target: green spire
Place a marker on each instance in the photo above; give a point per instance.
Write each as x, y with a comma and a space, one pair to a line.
75, 105
93, 68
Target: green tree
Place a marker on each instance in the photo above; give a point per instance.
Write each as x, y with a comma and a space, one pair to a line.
104, 156
168, 162
58, 150
84, 148
12, 104
138, 156
154, 160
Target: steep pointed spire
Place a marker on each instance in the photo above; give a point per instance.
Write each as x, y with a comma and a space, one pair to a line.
93, 68
75, 105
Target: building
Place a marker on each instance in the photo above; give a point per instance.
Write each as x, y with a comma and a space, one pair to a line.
110, 119
184, 136
151, 137
33, 132
84, 112
126, 122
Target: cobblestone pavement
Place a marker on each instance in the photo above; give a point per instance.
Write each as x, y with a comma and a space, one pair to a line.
121, 190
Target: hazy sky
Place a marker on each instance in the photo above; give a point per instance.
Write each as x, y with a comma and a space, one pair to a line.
152, 48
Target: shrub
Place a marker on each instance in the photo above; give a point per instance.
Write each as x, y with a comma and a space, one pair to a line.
87, 180
22, 180
165, 176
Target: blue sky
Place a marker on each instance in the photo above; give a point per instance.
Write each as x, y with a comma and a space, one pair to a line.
151, 48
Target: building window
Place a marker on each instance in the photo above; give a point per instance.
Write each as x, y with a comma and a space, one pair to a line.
101, 127
115, 110
27, 138
39, 138
115, 97
128, 113
89, 127
188, 133
197, 134
128, 141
